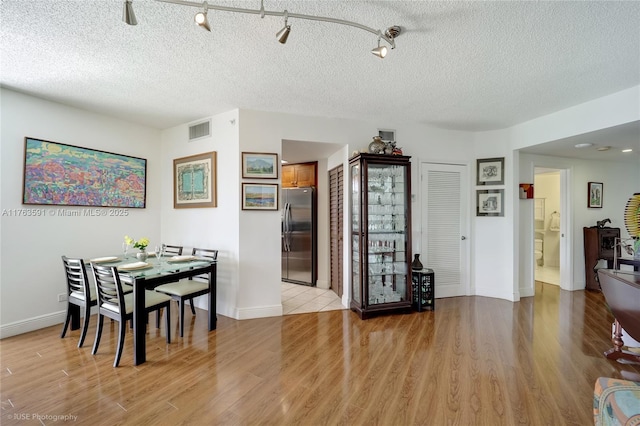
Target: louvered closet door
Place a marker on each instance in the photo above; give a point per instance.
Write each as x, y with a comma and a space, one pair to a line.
336, 211
445, 218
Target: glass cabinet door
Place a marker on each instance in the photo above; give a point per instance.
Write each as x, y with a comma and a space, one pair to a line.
380, 233
386, 226
356, 282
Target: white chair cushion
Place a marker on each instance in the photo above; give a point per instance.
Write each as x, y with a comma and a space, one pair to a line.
151, 298
183, 287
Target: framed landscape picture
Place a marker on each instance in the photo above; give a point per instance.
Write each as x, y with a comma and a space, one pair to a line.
594, 195
490, 171
490, 202
259, 165
259, 196
194, 181
68, 175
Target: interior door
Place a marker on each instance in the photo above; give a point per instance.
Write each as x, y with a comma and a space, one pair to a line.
336, 211
445, 223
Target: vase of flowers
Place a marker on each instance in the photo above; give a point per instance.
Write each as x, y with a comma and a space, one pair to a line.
140, 244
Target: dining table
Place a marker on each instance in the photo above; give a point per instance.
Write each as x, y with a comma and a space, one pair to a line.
147, 275
621, 290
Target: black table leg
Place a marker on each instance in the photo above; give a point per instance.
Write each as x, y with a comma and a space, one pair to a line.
213, 289
139, 323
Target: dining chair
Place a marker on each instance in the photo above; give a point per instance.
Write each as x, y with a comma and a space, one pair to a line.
187, 289
115, 304
79, 293
171, 250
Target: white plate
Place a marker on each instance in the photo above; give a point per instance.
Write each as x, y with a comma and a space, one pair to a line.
103, 259
181, 258
133, 266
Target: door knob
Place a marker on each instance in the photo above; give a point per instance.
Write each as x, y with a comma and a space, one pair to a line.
463, 238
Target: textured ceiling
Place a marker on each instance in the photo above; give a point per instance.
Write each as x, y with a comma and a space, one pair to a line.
458, 65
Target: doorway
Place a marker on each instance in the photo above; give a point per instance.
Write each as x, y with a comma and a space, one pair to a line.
547, 215
445, 222
559, 177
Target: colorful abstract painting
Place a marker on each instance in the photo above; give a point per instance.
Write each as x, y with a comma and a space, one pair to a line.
68, 175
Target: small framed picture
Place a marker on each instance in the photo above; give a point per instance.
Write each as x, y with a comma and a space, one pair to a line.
594, 195
259, 165
259, 196
490, 171
490, 202
194, 181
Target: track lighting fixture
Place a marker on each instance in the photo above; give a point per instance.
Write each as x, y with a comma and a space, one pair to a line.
201, 18
380, 51
389, 35
127, 13
283, 34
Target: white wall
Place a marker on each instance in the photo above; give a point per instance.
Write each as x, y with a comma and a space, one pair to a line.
608, 111
214, 228
493, 237
31, 247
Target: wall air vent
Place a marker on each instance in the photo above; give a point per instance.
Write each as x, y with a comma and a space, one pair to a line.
199, 130
387, 135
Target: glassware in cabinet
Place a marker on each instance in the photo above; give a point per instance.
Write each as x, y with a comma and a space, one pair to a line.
380, 227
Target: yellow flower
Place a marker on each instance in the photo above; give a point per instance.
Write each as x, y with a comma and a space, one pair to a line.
141, 244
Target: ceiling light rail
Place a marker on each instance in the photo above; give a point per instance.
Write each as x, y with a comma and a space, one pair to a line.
388, 35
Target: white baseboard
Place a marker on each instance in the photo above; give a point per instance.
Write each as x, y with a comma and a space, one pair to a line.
32, 324
497, 294
260, 312
323, 284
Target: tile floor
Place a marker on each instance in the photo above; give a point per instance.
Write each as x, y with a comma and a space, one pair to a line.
548, 274
298, 299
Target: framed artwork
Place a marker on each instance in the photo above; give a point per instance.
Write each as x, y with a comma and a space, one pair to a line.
594, 195
490, 171
68, 175
490, 202
194, 181
259, 196
259, 165
526, 191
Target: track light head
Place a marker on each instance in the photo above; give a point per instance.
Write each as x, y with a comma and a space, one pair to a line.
127, 13
201, 19
380, 51
283, 34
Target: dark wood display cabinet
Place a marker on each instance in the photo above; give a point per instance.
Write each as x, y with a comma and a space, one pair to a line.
380, 228
599, 243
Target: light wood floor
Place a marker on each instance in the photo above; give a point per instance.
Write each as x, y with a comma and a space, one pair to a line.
473, 361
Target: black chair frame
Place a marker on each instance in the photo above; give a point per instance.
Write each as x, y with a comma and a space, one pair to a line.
77, 284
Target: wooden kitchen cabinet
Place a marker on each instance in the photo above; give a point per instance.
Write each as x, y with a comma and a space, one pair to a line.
299, 175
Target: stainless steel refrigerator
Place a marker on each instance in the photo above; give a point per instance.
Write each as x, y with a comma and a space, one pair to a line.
299, 235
